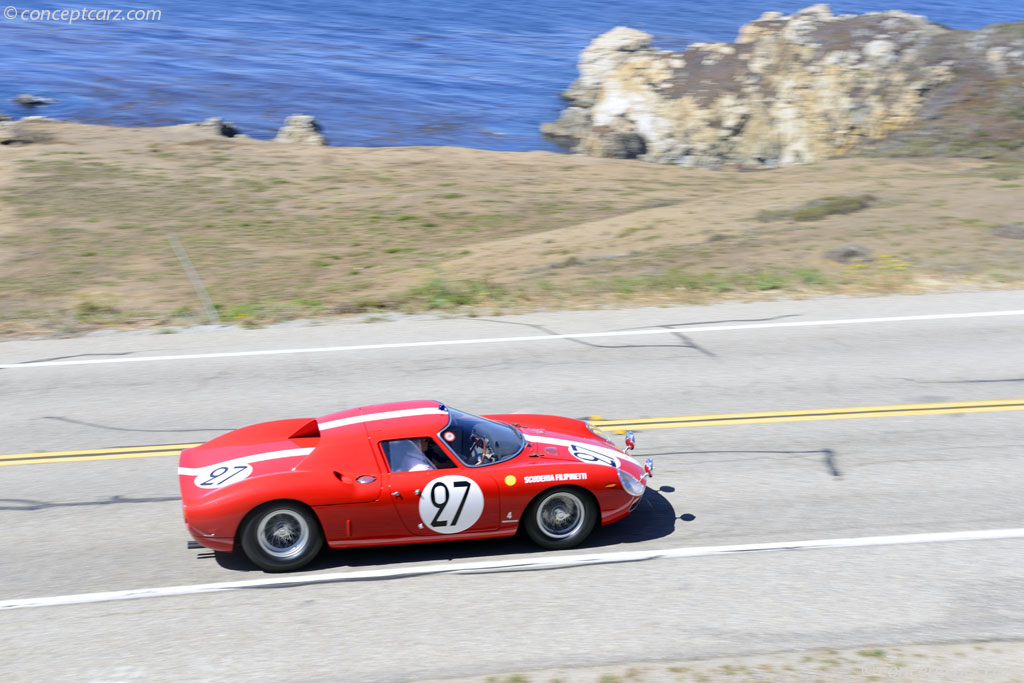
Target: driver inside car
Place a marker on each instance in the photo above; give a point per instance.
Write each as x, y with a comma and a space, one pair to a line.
409, 455
480, 452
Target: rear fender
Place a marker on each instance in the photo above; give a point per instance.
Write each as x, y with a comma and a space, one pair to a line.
277, 430
220, 512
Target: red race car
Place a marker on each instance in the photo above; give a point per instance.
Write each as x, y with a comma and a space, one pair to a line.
410, 472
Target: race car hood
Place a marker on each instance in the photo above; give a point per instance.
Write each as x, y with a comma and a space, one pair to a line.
551, 438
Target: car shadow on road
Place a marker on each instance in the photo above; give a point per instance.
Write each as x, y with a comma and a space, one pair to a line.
653, 518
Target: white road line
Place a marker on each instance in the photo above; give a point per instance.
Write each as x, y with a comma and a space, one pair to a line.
544, 562
507, 340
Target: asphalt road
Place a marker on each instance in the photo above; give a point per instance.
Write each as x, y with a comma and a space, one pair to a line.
81, 527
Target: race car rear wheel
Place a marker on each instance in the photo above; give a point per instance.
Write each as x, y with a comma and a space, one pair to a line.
561, 518
280, 537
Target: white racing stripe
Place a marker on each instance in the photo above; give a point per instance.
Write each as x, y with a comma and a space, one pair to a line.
510, 340
372, 417
551, 561
295, 452
246, 460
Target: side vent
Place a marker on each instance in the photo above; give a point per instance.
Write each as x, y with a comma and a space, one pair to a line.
306, 431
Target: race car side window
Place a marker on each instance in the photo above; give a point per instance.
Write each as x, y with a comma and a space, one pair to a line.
415, 455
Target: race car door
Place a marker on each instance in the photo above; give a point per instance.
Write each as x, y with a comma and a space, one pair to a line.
359, 509
445, 499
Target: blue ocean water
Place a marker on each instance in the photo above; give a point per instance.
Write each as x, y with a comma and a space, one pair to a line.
474, 73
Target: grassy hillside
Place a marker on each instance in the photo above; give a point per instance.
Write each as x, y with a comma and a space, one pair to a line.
280, 231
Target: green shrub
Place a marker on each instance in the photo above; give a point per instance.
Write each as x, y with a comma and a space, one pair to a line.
93, 311
819, 208
811, 276
766, 216
438, 293
828, 206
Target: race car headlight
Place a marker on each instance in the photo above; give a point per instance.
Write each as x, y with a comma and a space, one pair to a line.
631, 484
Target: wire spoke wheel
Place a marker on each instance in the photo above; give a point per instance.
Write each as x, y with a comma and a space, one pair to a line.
561, 518
282, 536
283, 533
561, 515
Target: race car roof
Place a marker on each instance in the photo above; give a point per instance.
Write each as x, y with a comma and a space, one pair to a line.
426, 417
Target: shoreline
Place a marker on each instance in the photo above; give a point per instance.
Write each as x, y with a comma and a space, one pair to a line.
241, 133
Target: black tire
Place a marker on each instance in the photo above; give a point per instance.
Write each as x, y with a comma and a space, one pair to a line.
281, 537
561, 518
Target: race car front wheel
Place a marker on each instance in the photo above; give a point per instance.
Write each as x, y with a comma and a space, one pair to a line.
561, 518
279, 537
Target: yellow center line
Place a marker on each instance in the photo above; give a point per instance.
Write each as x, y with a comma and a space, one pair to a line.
94, 454
617, 426
176, 447
905, 409
83, 458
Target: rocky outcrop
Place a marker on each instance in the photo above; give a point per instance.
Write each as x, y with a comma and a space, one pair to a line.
1013, 231
27, 100
791, 89
213, 128
220, 127
849, 253
302, 129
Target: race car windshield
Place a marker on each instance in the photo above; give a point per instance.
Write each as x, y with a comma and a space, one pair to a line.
479, 441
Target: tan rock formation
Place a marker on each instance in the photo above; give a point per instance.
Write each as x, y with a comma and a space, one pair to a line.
302, 129
792, 89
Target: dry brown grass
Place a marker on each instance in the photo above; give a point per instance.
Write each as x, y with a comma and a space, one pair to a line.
280, 231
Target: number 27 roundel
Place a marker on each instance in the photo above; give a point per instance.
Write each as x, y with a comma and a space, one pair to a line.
451, 504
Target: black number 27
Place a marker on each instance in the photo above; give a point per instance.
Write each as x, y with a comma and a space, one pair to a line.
441, 505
